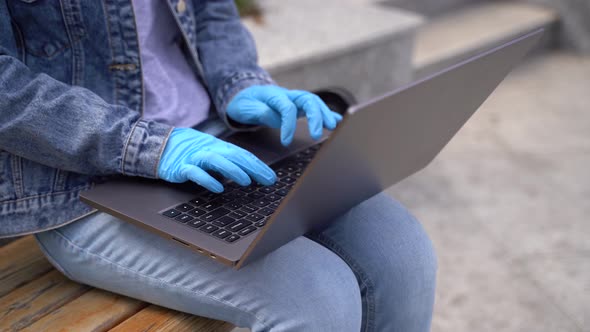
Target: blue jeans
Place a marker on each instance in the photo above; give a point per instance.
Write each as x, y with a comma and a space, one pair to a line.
374, 269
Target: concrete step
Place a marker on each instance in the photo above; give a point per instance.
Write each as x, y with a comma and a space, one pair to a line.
357, 46
453, 37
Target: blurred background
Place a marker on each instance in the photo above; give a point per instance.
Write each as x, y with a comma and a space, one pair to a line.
507, 202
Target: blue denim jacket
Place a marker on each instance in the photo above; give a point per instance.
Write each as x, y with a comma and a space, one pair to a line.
71, 98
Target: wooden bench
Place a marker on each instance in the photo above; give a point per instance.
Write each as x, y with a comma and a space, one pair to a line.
36, 297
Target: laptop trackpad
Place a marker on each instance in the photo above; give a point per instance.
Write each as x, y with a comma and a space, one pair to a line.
265, 143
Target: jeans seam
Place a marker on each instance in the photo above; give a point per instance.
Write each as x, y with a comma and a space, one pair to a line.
220, 301
358, 271
52, 259
17, 176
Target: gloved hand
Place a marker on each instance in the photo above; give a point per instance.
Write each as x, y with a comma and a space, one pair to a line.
189, 153
275, 107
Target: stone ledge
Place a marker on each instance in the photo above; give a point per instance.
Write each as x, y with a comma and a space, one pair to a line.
454, 37
362, 47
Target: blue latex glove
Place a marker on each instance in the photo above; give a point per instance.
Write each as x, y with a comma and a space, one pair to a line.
275, 107
189, 154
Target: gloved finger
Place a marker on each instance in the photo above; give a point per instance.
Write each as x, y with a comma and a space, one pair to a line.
213, 161
202, 178
255, 168
288, 111
245, 111
331, 118
268, 117
310, 104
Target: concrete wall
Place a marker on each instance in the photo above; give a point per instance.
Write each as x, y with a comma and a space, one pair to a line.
575, 22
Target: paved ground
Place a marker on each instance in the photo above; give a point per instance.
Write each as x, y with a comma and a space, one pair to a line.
507, 205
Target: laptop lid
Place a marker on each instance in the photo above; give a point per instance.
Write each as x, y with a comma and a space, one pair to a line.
385, 140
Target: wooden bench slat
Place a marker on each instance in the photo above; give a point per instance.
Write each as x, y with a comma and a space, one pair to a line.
155, 318
20, 262
96, 310
29, 303
36, 297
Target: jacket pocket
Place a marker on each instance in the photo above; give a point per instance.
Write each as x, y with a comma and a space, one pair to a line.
43, 27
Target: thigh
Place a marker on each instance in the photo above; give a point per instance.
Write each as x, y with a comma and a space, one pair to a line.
300, 287
393, 260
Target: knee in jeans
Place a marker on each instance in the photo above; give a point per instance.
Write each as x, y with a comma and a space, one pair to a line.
414, 253
328, 300
331, 309
407, 246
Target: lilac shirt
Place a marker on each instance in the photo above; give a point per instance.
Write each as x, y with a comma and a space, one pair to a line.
173, 94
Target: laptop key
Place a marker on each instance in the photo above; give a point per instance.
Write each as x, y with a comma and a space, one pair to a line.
288, 180
197, 201
277, 186
196, 212
248, 189
261, 223
247, 230
197, 223
266, 211
255, 195
237, 214
208, 228
214, 214
266, 190
236, 194
260, 203
273, 197
221, 233
223, 221
227, 199
232, 238
244, 200
184, 218
275, 205
233, 205
238, 225
249, 208
171, 213
291, 168
184, 207
214, 204
301, 163
282, 192
209, 196
254, 217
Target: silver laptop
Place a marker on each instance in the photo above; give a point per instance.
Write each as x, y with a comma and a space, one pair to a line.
378, 143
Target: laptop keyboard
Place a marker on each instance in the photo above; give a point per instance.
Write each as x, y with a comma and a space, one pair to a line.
240, 211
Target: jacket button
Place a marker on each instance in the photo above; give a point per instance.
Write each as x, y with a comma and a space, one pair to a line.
49, 49
181, 6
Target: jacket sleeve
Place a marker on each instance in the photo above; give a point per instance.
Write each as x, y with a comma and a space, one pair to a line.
71, 128
227, 53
